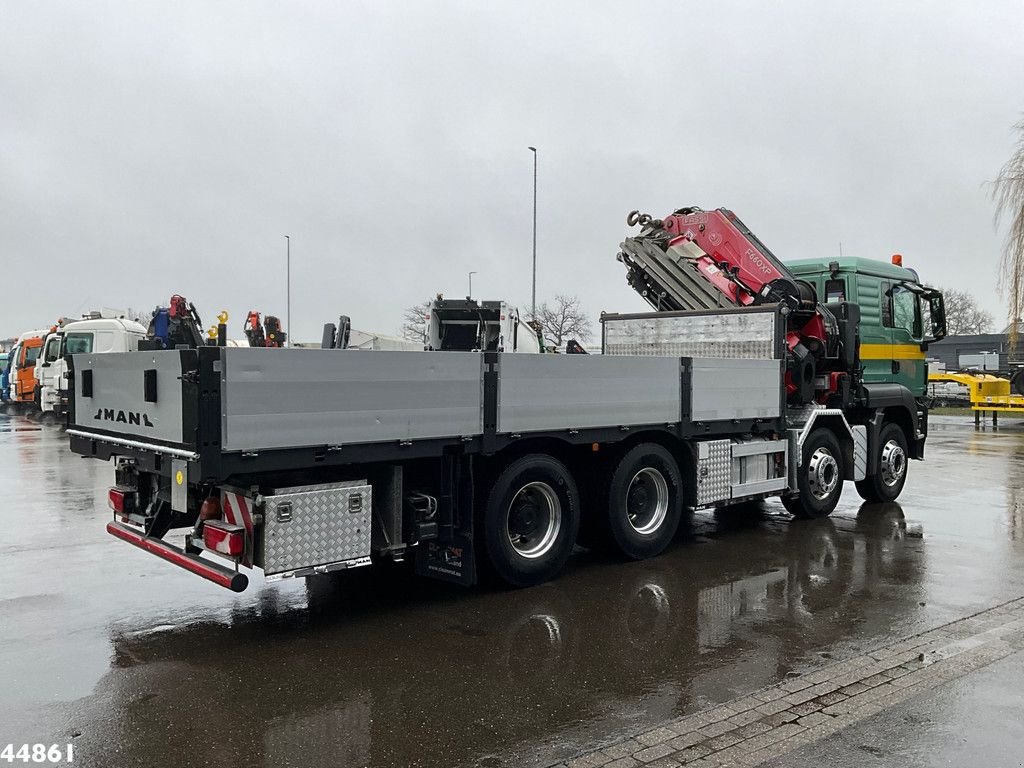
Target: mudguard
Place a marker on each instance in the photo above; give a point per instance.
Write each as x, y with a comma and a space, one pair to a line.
889, 395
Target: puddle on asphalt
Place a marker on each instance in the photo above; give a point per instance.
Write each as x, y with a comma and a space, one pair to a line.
376, 667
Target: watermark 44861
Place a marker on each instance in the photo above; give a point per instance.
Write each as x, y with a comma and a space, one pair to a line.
52, 754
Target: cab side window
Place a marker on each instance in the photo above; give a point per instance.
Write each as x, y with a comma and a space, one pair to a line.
52, 349
903, 312
835, 290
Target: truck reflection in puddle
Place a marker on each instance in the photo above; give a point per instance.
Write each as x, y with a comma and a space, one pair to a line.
388, 671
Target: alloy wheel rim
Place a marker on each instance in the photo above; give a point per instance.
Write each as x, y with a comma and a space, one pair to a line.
647, 501
822, 473
893, 463
533, 520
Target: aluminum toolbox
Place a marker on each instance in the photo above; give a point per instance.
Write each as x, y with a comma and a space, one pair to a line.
311, 528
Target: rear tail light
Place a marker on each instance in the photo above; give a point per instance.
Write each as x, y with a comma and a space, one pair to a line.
210, 510
123, 501
225, 538
116, 499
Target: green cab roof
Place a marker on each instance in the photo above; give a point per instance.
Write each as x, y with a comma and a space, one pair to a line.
873, 267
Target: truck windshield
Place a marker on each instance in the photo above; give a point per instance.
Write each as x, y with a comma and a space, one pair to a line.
78, 343
31, 353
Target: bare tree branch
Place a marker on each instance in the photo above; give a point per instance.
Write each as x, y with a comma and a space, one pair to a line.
414, 322
1008, 193
963, 315
564, 319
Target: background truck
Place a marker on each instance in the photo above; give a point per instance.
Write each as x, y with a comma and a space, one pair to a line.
5, 374
466, 325
739, 386
93, 334
23, 363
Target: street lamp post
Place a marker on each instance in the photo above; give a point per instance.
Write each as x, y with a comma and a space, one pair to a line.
471, 284
288, 284
533, 295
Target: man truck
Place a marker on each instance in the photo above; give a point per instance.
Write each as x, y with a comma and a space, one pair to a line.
92, 334
748, 380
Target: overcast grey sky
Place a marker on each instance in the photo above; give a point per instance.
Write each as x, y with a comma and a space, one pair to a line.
157, 148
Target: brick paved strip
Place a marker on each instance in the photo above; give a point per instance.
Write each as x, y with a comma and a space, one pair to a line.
765, 724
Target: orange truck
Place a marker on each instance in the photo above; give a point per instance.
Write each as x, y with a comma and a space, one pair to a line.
24, 354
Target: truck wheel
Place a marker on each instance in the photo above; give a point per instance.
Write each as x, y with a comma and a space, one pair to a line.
819, 478
531, 520
644, 501
887, 484
1017, 382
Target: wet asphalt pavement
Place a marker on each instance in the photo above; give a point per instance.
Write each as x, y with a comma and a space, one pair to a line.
973, 721
140, 663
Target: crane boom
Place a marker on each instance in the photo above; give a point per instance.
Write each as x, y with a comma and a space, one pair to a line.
698, 260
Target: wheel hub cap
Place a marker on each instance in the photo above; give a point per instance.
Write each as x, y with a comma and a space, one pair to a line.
822, 473
647, 500
534, 520
893, 463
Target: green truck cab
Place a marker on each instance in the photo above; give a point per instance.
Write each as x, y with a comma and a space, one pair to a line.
899, 316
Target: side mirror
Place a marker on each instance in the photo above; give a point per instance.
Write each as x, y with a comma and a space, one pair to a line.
937, 312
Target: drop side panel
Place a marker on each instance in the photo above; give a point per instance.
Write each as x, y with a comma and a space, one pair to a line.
289, 398
118, 403
552, 392
736, 389
746, 334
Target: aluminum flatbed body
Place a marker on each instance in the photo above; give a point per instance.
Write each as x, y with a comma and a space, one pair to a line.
236, 410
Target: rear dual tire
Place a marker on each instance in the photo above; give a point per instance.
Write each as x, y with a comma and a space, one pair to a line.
532, 515
531, 520
644, 503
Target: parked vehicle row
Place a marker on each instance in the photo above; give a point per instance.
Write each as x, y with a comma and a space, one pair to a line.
35, 373
37, 379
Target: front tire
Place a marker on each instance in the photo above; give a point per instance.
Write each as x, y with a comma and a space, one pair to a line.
645, 501
819, 478
888, 481
531, 520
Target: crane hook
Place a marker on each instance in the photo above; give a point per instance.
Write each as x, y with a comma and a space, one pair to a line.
635, 217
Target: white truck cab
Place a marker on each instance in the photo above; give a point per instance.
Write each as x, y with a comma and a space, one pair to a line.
93, 334
46, 372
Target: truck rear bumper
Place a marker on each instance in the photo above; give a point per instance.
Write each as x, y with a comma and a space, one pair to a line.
218, 574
